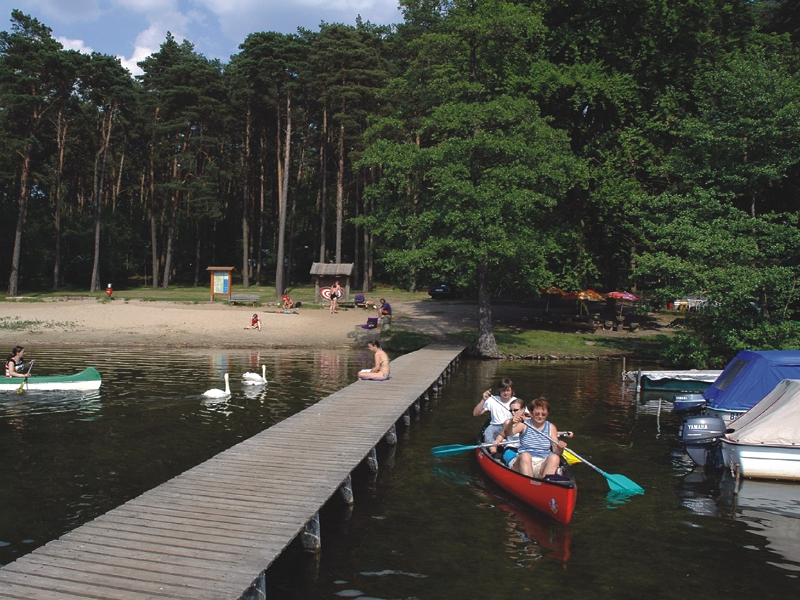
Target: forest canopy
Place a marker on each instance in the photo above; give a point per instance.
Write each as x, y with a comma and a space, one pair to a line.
505, 145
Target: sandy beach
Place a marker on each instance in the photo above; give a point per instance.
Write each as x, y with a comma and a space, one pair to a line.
84, 322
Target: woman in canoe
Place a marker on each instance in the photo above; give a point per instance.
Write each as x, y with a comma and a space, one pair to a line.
15, 363
538, 456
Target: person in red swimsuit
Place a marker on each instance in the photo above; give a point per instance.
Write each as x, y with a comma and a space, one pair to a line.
255, 322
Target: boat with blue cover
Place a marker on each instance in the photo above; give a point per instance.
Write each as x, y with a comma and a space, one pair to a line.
749, 377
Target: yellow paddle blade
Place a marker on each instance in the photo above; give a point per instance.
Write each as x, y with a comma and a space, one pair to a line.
570, 457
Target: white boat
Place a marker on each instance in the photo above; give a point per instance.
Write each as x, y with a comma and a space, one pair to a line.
764, 443
691, 380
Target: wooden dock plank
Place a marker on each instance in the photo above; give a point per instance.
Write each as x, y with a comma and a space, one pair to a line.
212, 531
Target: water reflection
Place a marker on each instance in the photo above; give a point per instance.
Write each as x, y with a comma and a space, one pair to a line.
70, 456
769, 509
422, 527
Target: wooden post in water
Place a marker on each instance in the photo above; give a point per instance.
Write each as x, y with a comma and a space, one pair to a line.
311, 535
372, 460
346, 490
391, 435
258, 589
407, 418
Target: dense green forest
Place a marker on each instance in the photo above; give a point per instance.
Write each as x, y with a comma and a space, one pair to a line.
506, 145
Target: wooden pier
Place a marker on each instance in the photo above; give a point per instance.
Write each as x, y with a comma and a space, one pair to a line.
212, 531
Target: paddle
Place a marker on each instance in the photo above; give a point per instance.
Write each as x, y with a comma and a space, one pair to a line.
21, 387
454, 449
617, 483
459, 448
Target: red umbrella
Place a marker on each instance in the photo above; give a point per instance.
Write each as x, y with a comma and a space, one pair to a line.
623, 296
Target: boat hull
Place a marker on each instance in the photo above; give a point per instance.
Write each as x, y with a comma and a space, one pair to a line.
690, 381
728, 416
761, 462
87, 380
556, 499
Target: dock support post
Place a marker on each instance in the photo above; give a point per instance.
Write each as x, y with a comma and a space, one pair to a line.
391, 435
257, 589
407, 418
372, 460
417, 407
346, 490
311, 535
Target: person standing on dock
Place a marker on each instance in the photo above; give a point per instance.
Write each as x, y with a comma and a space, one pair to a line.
498, 406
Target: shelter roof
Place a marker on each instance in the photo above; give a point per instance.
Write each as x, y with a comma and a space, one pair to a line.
335, 269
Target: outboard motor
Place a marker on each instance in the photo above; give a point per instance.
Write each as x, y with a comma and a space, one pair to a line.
686, 405
699, 436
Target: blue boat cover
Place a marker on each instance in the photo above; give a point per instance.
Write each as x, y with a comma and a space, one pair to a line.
750, 376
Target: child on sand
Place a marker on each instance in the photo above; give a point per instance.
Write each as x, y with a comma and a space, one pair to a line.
255, 322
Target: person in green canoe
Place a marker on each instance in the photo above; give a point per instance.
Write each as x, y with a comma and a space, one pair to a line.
15, 363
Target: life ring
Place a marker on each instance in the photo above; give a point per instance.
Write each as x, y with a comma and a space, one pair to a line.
325, 293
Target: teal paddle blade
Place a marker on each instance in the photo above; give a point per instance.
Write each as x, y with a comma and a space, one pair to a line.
451, 449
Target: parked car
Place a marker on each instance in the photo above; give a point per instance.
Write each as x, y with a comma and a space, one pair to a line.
690, 303
441, 289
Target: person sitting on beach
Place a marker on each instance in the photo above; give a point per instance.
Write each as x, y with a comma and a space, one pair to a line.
384, 308
255, 322
381, 368
15, 363
498, 407
287, 301
538, 456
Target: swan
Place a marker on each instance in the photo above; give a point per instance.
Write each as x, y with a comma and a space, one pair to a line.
255, 378
215, 393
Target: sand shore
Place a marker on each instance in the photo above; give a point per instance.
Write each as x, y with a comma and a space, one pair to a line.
84, 322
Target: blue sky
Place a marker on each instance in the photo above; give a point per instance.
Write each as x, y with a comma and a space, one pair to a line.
133, 29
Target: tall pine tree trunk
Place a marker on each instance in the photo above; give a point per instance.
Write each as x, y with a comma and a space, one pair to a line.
323, 175
22, 203
246, 201
340, 196
98, 196
61, 136
280, 267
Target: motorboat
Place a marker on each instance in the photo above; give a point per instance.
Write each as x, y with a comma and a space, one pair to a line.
691, 380
748, 378
765, 442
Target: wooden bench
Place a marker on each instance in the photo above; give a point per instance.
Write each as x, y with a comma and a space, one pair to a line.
245, 299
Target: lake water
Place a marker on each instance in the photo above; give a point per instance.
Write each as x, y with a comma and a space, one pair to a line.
424, 527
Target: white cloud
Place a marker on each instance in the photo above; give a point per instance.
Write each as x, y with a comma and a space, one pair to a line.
133, 29
78, 45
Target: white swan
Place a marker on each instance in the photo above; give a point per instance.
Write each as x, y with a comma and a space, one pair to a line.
215, 393
255, 378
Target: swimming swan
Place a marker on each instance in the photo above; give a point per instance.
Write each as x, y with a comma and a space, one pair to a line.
255, 378
215, 393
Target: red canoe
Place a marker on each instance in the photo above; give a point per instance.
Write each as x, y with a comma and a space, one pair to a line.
555, 497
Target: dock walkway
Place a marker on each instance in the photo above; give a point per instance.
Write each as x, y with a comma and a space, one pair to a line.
212, 531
